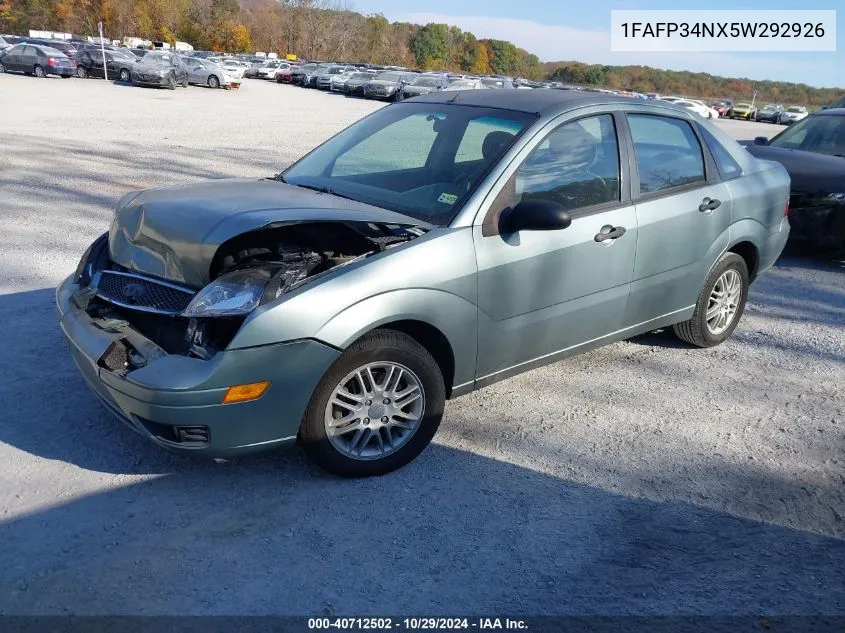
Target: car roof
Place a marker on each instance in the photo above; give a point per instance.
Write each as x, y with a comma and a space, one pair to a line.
832, 112
530, 101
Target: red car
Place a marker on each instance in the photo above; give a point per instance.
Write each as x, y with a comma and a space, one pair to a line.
283, 76
721, 107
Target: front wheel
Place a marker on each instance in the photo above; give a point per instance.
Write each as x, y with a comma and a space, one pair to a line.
185, 81
171, 82
2, 68
377, 407
124, 75
213, 82
82, 72
39, 72
720, 304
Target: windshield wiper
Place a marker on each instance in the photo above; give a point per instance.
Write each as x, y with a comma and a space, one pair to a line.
322, 189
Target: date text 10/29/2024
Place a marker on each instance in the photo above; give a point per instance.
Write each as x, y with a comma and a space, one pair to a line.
416, 624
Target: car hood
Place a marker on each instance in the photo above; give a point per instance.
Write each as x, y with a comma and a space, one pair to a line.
420, 90
382, 82
174, 232
810, 172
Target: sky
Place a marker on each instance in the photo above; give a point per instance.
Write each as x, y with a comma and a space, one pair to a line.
580, 30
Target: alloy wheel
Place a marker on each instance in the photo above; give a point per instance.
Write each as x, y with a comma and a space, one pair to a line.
124, 75
724, 301
374, 410
39, 72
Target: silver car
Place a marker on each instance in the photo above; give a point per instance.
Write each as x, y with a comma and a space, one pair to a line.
433, 248
203, 72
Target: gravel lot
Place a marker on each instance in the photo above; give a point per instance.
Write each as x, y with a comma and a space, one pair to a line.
642, 478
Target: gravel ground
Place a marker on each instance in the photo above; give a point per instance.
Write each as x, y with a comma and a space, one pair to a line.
642, 478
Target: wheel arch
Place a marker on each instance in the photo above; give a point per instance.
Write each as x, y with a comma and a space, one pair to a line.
435, 343
750, 253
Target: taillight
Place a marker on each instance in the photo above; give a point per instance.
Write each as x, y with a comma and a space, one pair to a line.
786, 210
51, 62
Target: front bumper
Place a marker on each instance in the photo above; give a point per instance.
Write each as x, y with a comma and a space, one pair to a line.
172, 393
150, 80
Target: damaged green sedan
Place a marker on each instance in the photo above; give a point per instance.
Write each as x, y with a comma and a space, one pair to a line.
434, 247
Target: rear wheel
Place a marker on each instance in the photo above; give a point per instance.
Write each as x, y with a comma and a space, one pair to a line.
377, 407
213, 82
185, 81
2, 68
124, 75
720, 304
171, 82
82, 72
39, 72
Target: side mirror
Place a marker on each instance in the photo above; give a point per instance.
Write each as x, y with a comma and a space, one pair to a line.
761, 140
535, 215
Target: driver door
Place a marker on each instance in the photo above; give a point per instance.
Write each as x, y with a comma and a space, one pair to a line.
547, 294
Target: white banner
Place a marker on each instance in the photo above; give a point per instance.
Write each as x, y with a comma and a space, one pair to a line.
727, 31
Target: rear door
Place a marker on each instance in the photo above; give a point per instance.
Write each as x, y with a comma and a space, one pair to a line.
683, 214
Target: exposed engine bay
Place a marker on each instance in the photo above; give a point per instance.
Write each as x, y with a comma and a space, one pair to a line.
266, 262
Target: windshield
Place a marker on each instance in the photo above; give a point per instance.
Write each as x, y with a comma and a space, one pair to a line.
771, 106
362, 76
742, 105
821, 134
422, 160
157, 59
463, 83
493, 83
426, 82
388, 76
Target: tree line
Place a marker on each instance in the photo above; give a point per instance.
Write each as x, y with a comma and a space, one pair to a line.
327, 29
312, 29
703, 85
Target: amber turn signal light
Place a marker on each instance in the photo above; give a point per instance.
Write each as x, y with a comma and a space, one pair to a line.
243, 393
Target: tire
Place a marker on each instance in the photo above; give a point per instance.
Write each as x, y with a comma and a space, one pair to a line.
378, 347
39, 72
171, 82
82, 72
125, 75
697, 331
213, 82
2, 68
185, 82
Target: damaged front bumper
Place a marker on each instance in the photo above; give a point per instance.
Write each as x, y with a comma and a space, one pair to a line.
176, 401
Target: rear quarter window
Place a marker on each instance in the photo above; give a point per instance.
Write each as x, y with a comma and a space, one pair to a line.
725, 163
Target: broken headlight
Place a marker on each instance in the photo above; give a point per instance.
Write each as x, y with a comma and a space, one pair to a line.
91, 260
233, 294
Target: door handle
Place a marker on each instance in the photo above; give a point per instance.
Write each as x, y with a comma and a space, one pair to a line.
709, 205
609, 232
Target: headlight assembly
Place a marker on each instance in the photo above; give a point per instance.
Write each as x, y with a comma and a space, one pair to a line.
88, 264
233, 294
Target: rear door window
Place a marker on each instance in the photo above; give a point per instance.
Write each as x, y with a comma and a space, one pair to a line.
667, 151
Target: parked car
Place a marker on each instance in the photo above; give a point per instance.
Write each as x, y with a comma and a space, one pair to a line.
343, 301
338, 82
5, 44
422, 85
770, 113
699, 108
742, 111
300, 73
310, 80
813, 152
269, 69
721, 107
67, 48
252, 71
324, 79
496, 82
354, 86
160, 68
202, 72
235, 68
386, 85
34, 59
793, 114
119, 64
466, 84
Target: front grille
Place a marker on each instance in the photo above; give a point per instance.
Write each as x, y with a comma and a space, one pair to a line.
142, 293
